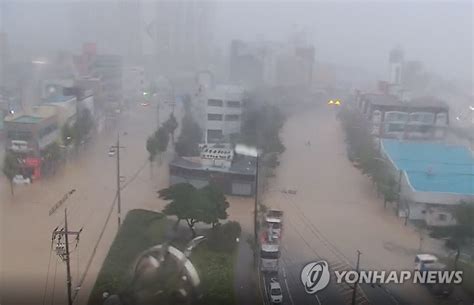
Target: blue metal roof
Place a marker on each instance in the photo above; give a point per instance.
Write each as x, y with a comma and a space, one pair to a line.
433, 167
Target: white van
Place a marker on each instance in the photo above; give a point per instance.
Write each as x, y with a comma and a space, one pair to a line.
424, 259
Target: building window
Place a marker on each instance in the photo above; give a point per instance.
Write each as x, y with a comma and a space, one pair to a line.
422, 117
396, 116
377, 116
393, 127
214, 103
232, 117
214, 117
233, 104
214, 134
442, 217
441, 119
419, 128
19, 135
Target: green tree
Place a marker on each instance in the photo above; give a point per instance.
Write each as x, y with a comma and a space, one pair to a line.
10, 168
162, 139
464, 215
189, 138
261, 127
208, 205
82, 127
171, 125
216, 204
67, 134
152, 148
51, 156
185, 203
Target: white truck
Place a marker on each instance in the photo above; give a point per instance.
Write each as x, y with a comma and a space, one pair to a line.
269, 257
274, 223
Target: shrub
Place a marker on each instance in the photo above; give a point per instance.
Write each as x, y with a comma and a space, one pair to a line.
223, 237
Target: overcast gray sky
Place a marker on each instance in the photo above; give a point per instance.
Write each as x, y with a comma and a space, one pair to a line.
353, 33
361, 33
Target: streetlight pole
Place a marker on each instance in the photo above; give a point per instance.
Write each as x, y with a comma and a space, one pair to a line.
117, 148
118, 181
354, 292
255, 212
68, 261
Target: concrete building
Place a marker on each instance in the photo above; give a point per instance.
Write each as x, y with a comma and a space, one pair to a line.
3, 57
420, 118
217, 163
109, 69
181, 34
66, 108
434, 178
271, 63
218, 110
27, 134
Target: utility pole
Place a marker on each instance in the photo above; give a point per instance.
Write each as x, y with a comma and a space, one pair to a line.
354, 292
62, 250
255, 212
118, 181
117, 148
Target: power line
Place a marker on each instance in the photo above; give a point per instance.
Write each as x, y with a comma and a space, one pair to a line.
135, 175
54, 282
47, 273
94, 251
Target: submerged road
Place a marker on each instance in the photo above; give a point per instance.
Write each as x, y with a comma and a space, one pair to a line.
334, 213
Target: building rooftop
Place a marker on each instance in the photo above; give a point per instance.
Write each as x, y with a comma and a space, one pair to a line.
392, 100
226, 92
37, 114
433, 167
27, 119
59, 99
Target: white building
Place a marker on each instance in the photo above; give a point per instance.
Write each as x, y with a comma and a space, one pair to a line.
219, 112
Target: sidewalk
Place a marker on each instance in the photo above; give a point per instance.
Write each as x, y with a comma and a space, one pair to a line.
245, 285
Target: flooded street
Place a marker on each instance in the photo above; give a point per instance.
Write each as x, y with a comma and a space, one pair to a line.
335, 211
26, 227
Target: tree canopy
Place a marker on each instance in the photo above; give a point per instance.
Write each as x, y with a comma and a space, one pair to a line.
363, 151
261, 127
171, 125
189, 138
208, 204
10, 167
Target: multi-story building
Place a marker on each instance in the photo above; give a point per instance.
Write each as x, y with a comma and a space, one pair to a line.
271, 64
3, 57
420, 118
109, 69
181, 32
27, 134
219, 112
66, 108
